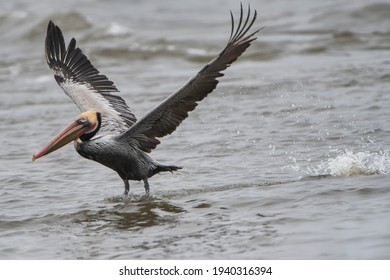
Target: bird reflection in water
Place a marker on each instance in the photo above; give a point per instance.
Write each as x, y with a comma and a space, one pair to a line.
132, 214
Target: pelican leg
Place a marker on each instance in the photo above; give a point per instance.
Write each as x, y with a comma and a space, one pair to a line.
127, 186
146, 186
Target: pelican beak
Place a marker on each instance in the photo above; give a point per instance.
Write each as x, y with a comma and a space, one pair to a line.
72, 132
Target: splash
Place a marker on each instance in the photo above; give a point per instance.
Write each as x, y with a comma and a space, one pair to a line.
347, 163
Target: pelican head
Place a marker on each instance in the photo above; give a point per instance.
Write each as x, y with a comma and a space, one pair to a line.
84, 128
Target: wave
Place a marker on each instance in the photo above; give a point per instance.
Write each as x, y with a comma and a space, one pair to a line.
348, 163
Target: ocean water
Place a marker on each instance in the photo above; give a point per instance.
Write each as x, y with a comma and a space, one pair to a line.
287, 159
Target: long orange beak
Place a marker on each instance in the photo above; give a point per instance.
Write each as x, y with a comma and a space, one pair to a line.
72, 132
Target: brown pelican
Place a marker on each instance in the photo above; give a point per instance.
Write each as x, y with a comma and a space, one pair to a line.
107, 131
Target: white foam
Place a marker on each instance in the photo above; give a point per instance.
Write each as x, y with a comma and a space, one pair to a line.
348, 163
116, 29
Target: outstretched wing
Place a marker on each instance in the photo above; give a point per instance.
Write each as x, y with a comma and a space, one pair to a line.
166, 117
88, 89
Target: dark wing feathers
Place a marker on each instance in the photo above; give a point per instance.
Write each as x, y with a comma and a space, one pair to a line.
166, 117
82, 82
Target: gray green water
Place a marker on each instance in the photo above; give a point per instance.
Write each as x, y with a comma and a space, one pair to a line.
288, 159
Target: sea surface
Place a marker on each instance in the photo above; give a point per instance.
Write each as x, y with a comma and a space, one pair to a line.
289, 158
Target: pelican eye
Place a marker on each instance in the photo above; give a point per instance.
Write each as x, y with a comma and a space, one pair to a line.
82, 120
